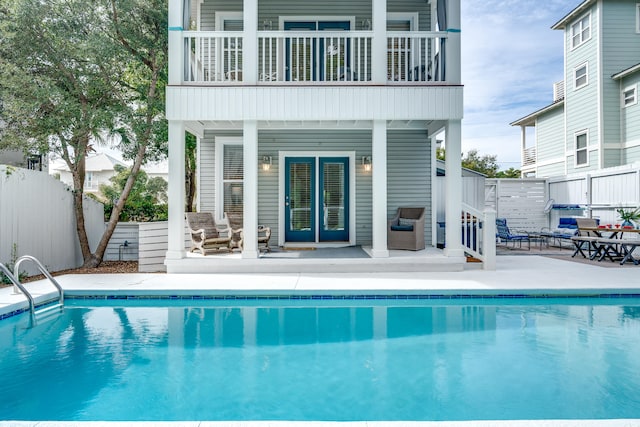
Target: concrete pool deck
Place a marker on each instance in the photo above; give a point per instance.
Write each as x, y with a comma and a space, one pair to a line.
514, 274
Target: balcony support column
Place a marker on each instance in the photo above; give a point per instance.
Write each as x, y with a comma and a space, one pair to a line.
379, 43
379, 189
175, 190
175, 42
453, 189
250, 42
453, 45
250, 189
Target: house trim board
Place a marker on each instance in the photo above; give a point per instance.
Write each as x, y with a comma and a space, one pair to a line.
317, 18
600, 83
352, 195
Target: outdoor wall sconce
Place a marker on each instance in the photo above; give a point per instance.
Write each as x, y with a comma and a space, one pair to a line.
366, 163
266, 25
266, 163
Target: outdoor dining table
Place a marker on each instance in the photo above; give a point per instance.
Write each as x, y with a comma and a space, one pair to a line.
613, 240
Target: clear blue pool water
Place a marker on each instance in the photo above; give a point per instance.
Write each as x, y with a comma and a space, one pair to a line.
529, 359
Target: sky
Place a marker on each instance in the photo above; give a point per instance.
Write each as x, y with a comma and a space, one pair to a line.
510, 60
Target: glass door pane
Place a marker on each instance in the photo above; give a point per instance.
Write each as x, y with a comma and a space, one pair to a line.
300, 199
334, 198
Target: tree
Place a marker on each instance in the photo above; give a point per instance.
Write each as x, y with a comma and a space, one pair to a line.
190, 170
58, 86
509, 173
72, 74
486, 165
147, 200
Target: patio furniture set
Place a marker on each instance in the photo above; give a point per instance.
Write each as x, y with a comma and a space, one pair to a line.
616, 243
208, 234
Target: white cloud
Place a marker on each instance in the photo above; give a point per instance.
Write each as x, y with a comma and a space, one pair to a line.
510, 59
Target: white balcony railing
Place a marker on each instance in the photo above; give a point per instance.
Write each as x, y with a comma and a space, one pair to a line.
306, 56
529, 156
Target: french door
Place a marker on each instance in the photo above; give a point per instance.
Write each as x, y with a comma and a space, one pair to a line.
316, 199
316, 58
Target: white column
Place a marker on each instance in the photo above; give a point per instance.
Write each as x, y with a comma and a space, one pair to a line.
453, 188
250, 42
175, 190
250, 191
379, 189
379, 43
453, 45
523, 141
176, 56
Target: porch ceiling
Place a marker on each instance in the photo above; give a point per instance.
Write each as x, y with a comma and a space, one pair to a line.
198, 127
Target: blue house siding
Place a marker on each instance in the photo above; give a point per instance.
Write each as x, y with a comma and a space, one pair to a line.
581, 105
620, 50
549, 129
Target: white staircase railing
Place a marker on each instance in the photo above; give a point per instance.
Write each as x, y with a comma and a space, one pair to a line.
479, 235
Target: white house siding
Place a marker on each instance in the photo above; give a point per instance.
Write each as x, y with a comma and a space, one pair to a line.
291, 103
620, 50
582, 105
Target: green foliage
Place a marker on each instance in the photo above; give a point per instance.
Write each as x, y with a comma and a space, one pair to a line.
486, 165
146, 202
509, 173
4, 279
629, 214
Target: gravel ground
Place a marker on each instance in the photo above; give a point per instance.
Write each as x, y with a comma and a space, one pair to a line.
107, 267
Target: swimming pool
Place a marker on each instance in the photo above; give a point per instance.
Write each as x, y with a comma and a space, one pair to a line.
333, 360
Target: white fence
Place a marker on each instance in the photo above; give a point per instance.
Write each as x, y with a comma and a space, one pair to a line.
598, 194
520, 201
37, 218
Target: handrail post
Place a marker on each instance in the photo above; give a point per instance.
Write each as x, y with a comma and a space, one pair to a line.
489, 240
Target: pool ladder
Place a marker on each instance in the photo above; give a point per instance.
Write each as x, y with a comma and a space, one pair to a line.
47, 311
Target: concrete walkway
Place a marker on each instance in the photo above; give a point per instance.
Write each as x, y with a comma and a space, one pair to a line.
514, 274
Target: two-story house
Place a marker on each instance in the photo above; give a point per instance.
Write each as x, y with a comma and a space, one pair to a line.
593, 122
317, 119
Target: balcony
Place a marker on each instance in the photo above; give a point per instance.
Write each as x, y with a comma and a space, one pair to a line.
314, 57
529, 156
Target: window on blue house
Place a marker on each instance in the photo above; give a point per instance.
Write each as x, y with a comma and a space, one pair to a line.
580, 76
582, 154
629, 96
581, 31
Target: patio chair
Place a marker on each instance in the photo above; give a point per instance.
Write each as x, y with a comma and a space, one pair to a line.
235, 222
406, 229
205, 234
505, 235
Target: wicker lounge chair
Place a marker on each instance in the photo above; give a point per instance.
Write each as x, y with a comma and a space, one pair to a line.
264, 233
205, 234
406, 229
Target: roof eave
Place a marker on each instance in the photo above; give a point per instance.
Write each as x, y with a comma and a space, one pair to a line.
569, 16
625, 73
530, 119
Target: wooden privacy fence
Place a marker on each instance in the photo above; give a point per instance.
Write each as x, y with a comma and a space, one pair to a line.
37, 218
